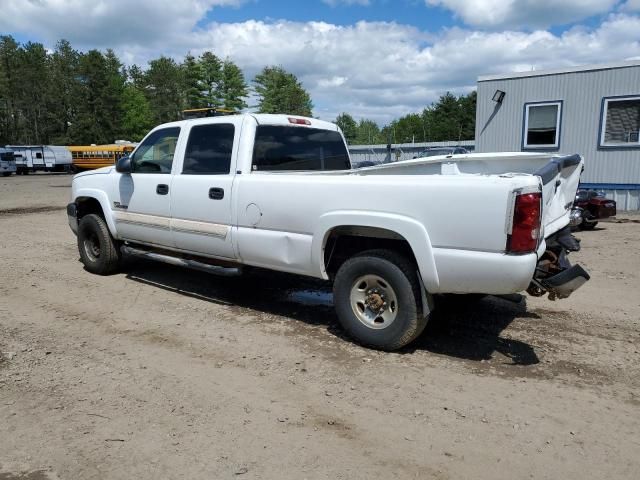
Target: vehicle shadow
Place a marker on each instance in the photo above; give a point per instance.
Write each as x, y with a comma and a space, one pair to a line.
471, 329
468, 330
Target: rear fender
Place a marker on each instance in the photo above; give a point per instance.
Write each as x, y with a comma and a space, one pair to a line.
411, 230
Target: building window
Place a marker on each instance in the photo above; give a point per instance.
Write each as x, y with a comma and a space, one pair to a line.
620, 122
542, 125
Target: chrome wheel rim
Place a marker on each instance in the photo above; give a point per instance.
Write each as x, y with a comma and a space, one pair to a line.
374, 302
92, 247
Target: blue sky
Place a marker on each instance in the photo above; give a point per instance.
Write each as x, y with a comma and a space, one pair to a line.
376, 59
401, 11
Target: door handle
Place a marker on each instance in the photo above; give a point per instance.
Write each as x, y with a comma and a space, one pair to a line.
162, 189
216, 193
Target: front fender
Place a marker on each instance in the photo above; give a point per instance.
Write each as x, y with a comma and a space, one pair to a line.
105, 204
408, 228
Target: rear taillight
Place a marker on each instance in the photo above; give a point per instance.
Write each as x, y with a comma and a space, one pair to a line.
525, 230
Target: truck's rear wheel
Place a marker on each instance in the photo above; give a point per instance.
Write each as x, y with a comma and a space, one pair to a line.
98, 250
377, 299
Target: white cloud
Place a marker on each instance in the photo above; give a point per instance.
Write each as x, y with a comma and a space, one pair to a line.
377, 70
631, 6
524, 13
116, 22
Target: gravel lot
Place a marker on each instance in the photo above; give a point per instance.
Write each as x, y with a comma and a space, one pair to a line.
160, 372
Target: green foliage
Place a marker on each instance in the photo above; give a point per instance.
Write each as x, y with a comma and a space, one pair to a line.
279, 91
450, 118
69, 97
368, 133
348, 126
211, 68
233, 89
191, 71
162, 88
137, 118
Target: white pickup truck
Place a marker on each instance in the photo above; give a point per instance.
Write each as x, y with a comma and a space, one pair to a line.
278, 192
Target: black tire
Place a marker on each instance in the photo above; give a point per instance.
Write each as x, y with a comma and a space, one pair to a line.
401, 276
99, 252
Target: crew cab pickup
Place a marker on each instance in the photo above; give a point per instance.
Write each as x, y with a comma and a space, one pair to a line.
278, 192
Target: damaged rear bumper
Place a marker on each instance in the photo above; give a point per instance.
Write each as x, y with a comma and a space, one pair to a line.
563, 284
554, 274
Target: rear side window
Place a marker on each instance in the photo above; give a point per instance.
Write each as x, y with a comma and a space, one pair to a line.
209, 150
298, 148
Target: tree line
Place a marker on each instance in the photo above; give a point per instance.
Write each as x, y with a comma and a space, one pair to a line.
451, 118
68, 97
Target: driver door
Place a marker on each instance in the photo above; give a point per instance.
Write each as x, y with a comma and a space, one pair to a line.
143, 210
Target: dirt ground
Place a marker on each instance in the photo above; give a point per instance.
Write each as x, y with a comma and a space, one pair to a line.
160, 372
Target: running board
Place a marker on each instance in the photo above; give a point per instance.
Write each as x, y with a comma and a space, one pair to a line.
182, 262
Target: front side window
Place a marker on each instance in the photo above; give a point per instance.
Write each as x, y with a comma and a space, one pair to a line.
209, 150
280, 148
155, 153
620, 122
542, 125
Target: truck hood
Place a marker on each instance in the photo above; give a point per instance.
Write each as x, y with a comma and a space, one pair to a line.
97, 171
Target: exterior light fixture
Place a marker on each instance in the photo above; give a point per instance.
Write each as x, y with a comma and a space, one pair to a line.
498, 96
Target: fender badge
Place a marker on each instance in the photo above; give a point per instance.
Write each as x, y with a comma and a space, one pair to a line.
118, 205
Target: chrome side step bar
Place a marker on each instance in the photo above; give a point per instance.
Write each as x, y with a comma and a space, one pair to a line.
182, 262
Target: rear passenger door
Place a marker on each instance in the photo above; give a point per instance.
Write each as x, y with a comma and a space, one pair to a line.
201, 201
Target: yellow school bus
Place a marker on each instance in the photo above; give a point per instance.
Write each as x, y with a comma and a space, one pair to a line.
97, 156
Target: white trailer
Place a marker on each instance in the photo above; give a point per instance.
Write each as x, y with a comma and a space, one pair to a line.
48, 158
7, 162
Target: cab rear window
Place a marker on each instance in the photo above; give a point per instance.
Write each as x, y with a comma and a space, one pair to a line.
281, 148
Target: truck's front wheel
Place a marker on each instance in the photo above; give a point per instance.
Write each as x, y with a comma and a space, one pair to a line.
98, 251
377, 299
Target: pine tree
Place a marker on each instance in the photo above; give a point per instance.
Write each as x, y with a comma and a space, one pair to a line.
233, 88
61, 104
211, 68
348, 126
9, 80
91, 124
279, 91
162, 81
137, 119
192, 79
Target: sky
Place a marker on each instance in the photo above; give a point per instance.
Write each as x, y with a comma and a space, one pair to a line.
377, 59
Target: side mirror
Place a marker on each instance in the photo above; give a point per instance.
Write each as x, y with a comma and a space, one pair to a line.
123, 165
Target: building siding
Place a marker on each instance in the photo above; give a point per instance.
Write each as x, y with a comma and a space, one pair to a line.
500, 127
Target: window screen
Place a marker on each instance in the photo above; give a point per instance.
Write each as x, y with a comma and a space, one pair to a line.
209, 150
622, 122
298, 148
542, 125
155, 153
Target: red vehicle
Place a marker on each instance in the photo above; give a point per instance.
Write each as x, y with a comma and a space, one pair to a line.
589, 207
